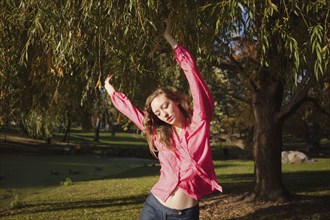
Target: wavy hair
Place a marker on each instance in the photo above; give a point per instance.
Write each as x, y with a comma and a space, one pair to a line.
156, 127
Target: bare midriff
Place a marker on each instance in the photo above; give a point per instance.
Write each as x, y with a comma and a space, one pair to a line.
179, 200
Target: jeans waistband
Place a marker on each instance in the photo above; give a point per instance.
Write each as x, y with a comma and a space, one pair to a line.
153, 201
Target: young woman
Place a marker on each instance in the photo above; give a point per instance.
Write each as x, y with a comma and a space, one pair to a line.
179, 137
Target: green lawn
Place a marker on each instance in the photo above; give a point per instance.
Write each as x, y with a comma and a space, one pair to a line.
92, 187
115, 188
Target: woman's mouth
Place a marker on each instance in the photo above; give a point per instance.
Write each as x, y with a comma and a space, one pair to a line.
169, 119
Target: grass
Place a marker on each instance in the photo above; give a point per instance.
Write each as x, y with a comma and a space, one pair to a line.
116, 188
118, 191
308, 178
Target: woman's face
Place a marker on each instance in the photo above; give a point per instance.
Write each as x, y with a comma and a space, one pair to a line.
167, 110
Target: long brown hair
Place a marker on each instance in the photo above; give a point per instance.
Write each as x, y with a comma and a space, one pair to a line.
156, 127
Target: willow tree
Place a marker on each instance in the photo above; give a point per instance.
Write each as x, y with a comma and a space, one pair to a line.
58, 53
26, 90
289, 56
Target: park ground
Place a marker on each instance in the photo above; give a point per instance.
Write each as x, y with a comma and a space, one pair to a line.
84, 186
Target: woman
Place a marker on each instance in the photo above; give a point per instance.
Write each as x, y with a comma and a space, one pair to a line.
180, 138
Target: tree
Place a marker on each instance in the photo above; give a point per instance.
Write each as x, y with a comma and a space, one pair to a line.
291, 56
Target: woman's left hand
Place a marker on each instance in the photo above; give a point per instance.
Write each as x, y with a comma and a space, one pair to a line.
108, 86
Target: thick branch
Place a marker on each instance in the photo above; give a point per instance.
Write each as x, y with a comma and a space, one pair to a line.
253, 86
317, 106
297, 99
237, 140
226, 65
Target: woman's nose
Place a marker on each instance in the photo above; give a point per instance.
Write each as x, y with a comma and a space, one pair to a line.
166, 114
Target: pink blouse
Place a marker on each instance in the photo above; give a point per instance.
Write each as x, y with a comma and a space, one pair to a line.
189, 164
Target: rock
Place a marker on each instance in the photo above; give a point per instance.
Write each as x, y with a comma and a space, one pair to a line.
297, 157
285, 158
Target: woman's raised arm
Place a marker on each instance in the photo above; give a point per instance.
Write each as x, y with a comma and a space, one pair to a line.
168, 33
202, 97
123, 104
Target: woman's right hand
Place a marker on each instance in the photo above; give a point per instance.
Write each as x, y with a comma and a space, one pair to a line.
168, 33
167, 27
108, 86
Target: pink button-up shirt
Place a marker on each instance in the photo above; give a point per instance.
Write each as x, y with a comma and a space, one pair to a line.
189, 164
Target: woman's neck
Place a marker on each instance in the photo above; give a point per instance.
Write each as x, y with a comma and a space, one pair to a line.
178, 128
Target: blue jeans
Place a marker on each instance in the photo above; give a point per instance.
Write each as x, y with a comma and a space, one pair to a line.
154, 210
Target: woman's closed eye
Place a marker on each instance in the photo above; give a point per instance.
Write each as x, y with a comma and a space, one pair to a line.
165, 106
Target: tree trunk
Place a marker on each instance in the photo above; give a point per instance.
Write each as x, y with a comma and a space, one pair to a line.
68, 126
267, 142
97, 129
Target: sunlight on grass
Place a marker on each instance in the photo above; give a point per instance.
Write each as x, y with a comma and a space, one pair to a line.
110, 199
319, 164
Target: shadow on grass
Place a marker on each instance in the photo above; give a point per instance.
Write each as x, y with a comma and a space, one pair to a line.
74, 205
307, 181
137, 172
43, 171
236, 183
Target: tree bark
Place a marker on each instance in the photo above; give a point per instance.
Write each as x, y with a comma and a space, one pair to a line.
68, 126
238, 141
267, 141
97, 129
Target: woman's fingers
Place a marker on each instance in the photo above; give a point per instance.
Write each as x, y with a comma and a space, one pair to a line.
109, 78
108, 85
167, 25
